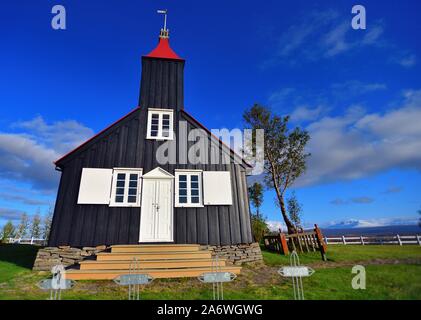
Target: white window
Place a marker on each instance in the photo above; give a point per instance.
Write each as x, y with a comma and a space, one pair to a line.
188, 188
126, 188
95, 186
217, 188
160, 124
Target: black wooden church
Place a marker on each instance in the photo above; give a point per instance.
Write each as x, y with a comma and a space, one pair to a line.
113, 189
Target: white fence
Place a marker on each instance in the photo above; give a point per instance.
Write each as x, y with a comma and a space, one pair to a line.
363, 240
32, 240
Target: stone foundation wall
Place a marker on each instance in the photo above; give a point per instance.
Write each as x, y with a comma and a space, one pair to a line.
237, 254
67, 256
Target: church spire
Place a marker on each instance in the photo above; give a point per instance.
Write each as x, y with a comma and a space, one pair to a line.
162, 83
163, 49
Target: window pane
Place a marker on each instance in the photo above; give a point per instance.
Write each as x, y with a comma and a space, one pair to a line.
132, 199
166, 117
182, 200
194, 178
154, 133
182, 177
121, 176
155, 116
155, 121
182, 185
194, 192
183, 192
119, 199
132, 191
120, 191
194, 199
120, 183
133, 176
195, 185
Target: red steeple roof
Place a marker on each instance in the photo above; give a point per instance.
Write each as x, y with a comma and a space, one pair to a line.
163, 49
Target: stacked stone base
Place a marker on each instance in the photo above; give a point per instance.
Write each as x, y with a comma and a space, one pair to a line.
67, 256
237, 254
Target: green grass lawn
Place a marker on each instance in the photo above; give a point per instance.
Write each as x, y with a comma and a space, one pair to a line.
393, 272
350, 253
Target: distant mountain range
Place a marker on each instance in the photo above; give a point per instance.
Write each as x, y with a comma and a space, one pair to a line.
374, 231
370, 223
349, 227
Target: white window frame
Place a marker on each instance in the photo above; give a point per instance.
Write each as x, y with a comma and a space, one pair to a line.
125, 203
160, 113
188, 173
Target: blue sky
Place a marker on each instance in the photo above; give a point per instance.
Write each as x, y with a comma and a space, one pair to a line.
358, 92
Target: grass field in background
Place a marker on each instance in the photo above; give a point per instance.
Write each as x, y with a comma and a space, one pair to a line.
351, 253
393, 272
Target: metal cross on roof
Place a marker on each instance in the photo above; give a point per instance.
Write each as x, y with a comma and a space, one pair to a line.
164, 31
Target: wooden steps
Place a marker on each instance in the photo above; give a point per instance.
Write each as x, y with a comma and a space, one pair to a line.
157, 260
153, 255
148, 264
156, 273
155, 248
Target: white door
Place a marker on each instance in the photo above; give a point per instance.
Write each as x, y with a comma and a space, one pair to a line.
156, 220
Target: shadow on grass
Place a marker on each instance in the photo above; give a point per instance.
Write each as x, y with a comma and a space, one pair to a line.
22, 255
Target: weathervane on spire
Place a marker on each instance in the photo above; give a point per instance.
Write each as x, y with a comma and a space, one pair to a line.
164, 31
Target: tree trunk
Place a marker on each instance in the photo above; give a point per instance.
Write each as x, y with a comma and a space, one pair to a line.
290, 225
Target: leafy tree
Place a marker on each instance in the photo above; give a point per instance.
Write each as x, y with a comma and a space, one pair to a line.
36, 226
259, 227
294, 210
46, 224
8, 231
284, 154
23, 226
256, 196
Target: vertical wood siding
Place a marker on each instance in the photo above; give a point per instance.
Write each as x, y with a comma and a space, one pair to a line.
124, 145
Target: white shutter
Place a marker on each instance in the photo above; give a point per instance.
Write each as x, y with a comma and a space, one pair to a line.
217, 188
95, 186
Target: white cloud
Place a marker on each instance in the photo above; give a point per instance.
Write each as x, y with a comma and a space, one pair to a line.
362, 200
278, 97
10, 214
309, 105
322, 34
358, 144
355, 88
275, 225
355, 200
373, 34
304, 113
22, 198
28, 156
393, 190
61, 136
334, 42
407, 61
